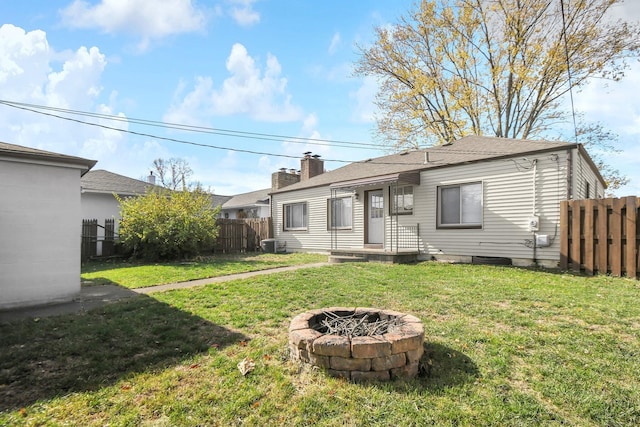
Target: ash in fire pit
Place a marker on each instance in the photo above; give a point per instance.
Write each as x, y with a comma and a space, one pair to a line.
358, 343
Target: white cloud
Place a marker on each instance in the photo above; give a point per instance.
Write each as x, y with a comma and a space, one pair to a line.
335, 43
242, 12
261, 95
310, 122
148, 19
32, 72
364, 109
24, 63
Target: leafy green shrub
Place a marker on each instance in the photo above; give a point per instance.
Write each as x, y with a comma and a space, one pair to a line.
166, 224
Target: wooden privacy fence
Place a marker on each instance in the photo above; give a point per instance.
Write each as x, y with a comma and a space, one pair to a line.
241, 235
600, 236
94, 245
234, 235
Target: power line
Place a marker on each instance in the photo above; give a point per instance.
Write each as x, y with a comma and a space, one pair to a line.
566, 53
201, 129
25, 107
180, 141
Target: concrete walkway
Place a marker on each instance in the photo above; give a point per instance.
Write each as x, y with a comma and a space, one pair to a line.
94, 296
220, 279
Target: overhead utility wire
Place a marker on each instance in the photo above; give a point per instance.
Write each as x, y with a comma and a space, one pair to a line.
181, 141
566, 53
202, 129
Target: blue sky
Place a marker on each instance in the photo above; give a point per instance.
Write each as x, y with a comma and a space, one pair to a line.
264, 66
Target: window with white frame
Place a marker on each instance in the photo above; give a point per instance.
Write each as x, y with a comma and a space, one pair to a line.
402, 200
460, 206
340, 212
295, 216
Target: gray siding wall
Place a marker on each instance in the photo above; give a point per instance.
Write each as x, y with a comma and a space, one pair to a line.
317, 237
509, 202
584, 176
508, 205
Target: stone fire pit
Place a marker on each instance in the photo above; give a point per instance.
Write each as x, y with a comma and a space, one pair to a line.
392, 352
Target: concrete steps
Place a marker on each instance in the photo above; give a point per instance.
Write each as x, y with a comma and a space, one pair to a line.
339, 259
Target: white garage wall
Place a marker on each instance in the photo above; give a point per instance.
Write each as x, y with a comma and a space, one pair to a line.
40, 227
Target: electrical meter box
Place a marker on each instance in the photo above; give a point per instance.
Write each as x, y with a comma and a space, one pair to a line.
534, 223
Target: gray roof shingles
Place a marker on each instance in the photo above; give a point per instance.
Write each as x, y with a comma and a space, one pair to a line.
102, 181
20, 151
253, 198
465, 150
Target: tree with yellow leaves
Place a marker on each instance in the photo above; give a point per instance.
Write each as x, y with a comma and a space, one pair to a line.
452, 68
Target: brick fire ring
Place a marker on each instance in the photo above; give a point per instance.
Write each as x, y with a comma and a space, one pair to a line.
395, 354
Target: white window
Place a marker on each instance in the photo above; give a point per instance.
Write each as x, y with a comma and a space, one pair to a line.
295, 216
460, 206
402, 200
340, 212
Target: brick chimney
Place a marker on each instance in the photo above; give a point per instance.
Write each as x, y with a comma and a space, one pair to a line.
310, 166
282, 178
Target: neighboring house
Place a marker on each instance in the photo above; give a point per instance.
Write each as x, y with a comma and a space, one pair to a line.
254, 204
98, 201
39, 226
218, 200
475, 197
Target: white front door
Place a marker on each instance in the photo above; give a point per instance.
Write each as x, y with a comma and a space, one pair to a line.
375, 218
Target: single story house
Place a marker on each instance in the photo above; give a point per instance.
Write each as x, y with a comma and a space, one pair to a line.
476, 197
40, 226
254, 204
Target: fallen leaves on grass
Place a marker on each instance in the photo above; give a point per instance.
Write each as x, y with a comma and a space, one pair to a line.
246, 365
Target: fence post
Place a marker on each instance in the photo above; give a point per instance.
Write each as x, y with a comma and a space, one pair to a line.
616, 237
588, 237
631, 258
576, 214
603, 237
564, 234
109, 237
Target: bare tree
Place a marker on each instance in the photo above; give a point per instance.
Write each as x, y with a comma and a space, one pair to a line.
173, 173
451, 68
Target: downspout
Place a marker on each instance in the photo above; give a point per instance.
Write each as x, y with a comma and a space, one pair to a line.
272, 231
535, 244
569, 174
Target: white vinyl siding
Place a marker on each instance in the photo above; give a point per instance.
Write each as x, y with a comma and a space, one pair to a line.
317, 237
508, 203
583, 177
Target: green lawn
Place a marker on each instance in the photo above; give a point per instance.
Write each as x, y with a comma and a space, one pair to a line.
503, 346
139, 275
